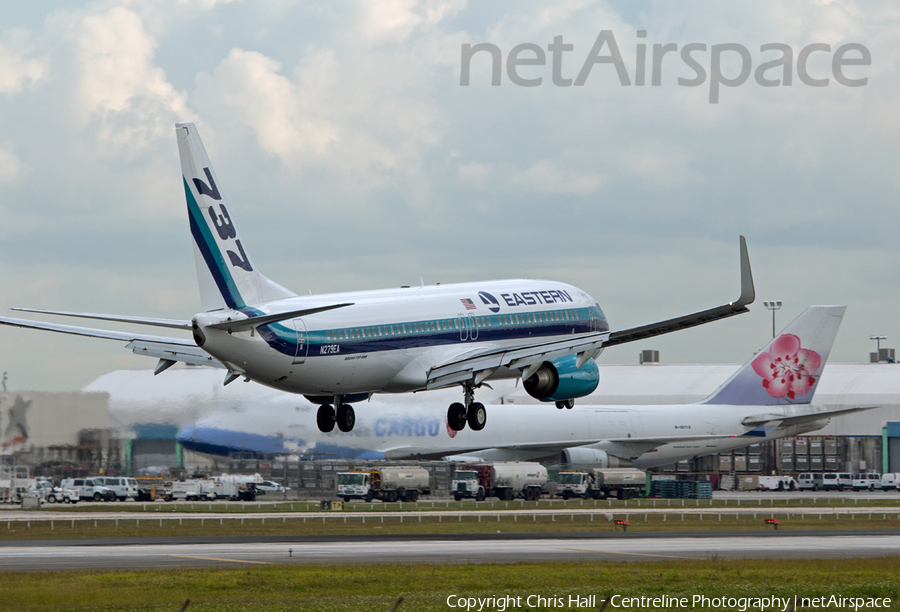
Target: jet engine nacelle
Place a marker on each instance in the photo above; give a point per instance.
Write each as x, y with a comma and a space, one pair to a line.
559, 380
587, 458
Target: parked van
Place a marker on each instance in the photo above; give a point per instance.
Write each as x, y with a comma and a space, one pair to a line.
86, 488
866, 481
837, 481
122, 487
889, 481
809, 481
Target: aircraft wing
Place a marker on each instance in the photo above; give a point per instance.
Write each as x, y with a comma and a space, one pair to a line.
748, 294
479, 367
168, 350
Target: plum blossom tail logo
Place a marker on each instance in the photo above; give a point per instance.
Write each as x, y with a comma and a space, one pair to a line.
451, 432
787, 369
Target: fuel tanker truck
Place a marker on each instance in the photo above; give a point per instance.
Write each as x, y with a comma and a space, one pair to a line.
598, 483
388, 484
504, 480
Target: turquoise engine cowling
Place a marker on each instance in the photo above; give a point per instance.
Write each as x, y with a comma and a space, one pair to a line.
559, 380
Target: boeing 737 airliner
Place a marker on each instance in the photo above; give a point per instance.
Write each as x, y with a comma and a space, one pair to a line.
341, 348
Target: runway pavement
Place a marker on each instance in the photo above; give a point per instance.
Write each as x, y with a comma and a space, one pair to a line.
508, 548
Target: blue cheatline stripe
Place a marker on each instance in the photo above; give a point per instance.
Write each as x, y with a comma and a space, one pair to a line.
211, 253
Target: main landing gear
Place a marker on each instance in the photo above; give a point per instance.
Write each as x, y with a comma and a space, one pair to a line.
565, 404
474, 413
343, 415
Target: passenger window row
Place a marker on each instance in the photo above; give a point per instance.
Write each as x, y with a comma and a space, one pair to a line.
405, 329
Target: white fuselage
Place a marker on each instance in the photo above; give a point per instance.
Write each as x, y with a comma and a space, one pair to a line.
387, 341
250, 418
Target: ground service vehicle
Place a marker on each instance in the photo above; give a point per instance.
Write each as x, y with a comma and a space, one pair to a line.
87, 489
191, 490
866, 481
122, 487
890, 481
776, 483
832, 481
624, 483
502, 480
387, 484
809, 481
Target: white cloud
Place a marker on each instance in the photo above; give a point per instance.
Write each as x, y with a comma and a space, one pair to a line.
394, 21
16, 70
118, 82
10, 165
287, 126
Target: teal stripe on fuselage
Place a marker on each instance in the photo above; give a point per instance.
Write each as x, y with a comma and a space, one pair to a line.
347, 343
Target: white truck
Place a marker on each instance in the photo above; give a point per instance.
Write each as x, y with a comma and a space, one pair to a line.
387, 484
505, 480
598, 483
775, 483
191, 490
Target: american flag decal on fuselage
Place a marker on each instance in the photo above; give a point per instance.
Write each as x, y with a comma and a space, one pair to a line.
469, 304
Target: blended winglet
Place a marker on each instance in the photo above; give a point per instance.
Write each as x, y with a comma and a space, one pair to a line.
748, 294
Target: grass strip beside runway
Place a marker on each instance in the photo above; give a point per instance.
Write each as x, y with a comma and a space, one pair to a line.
426, 587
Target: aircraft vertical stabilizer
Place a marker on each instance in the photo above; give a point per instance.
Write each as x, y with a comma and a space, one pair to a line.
787, 370
226, 275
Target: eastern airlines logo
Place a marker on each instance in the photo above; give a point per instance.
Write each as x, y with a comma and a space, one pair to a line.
525, 298
492, 303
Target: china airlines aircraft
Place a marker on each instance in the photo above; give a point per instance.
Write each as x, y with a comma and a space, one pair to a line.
341, 348
770, 397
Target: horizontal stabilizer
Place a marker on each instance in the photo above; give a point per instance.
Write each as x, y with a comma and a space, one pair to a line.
172, 323
242, 324
94, 333
799, 419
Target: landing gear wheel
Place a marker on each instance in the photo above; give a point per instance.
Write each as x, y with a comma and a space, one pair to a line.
477, 416
346, 417
565, 404
325, 418
456, 416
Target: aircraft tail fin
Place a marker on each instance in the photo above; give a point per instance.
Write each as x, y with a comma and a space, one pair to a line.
226, 275
787, 370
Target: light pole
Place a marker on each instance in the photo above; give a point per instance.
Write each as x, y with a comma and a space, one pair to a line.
773, 306
878, 340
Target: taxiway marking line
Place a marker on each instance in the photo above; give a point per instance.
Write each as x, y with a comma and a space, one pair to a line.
220, 559
615, 552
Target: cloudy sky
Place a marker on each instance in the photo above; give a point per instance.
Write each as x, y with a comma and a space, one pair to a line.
353, 158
